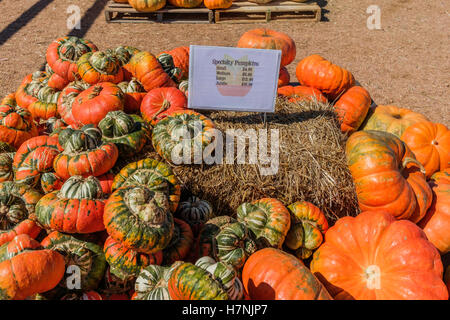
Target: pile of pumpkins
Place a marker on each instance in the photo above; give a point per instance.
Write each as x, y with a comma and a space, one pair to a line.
150, 6
80, 220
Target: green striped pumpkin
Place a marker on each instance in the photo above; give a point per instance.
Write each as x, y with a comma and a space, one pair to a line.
6, 166
169, 67
152, 282
226, 274
195, 212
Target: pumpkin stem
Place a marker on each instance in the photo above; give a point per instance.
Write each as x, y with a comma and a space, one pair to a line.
95, 91
408, 160
165, 105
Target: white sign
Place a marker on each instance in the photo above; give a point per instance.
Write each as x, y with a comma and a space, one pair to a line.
235, 79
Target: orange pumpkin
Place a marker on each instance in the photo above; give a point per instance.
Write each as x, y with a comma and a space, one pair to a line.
317, 72
299, 93
391, 119
180, 56
284, 78
374, 256
430, 143
436, 223
352, 108
268, 39
387, 176
271, 274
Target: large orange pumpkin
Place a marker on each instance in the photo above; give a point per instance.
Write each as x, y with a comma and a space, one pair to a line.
317, 72
269, 39
352, 108
391, 119
271, 274
374, 256
436, 223
387, 175
430, 143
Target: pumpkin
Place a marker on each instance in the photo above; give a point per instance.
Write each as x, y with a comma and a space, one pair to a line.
53, 126
126, 263
299, 93
160, 102
308, 226
269, 39
317, 72
375, 257
84, 154
17, 203
272, 274
195, 212
63, 53
18, 244
180, 244
183, 87
66, 100
268, 219
27, 92
29, 273
94, 103
128, 132
152, 283
226, 240
430, 143
224, 273
185, 3
352, 108
148, 71
115, 285
16, 124
87, 256
436, 222
154, 174
180, 55
50, 182
124, 54
168, 65
76, 208
100, 66
55, 80
6, 166
284, 78
387, 175
106, 181
190, 282
218, 4
34, 157
139, 218
391, 119
45, 106
147, 5
182, 136
6, 147
134, 93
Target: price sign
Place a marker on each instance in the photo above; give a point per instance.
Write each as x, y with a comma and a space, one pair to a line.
235, 79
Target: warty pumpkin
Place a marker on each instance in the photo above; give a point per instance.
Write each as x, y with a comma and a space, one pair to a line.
308, 225
76, 208
180, 244
158, 103
84, 153
94, 103
139, 218
63, 53
387, 175
436, 223
317, 72
352, 108
51, 182
100, 66
87, 256
375, 257
195, 212
124, 54
269, 39
268, 219
155, 175
430, 143
272, 274
134, 93
391, 119
126, 263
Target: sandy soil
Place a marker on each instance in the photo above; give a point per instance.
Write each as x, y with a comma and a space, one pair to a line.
405, 63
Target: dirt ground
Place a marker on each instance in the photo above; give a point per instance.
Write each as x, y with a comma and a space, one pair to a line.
406, 63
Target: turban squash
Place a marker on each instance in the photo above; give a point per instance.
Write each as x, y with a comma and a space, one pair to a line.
134, 93
180, 56
6, 166
124, 54
272, 274
76, 208
387, 176
17, 245
375, 257
100, 66
84, 153
16, 123
152, 283
195, 212
50, 182
63, 53
268, 219
158, 103
17, 204
66, 99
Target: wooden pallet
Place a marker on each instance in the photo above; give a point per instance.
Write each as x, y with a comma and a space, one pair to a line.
123, 12
248, 12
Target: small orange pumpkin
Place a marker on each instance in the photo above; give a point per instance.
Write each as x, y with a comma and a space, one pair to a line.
352, 108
